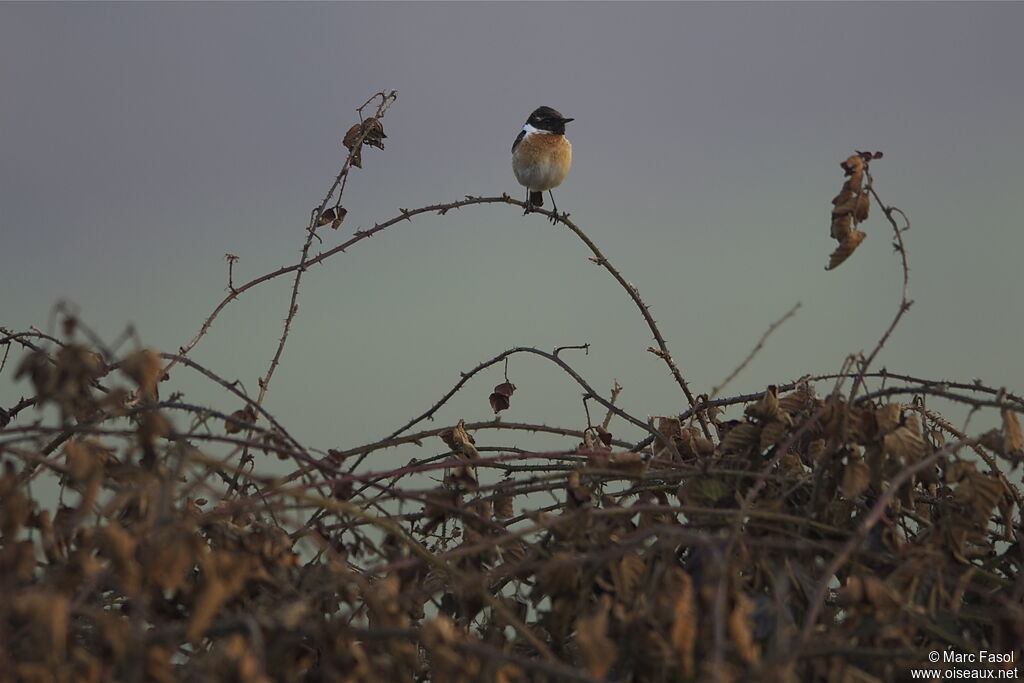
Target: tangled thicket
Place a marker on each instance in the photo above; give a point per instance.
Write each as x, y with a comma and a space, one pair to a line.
838, 529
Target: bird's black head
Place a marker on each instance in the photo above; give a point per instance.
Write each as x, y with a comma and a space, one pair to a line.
546, 118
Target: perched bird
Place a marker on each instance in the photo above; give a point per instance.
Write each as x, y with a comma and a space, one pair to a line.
541, 156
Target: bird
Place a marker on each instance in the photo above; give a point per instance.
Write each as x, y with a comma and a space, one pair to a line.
541, 156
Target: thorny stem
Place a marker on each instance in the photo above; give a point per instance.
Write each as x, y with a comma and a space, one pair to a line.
905, 302
293, 307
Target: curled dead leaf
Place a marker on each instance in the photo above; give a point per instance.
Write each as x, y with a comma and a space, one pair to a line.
741, 438
145, 368
765, 408
887, 417
240, 420
845, 248
860, 212
906, 442
1013, 439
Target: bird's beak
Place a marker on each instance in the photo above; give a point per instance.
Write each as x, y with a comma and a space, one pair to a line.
567, 120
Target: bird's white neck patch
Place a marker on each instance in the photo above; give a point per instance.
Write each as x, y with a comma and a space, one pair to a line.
530, 129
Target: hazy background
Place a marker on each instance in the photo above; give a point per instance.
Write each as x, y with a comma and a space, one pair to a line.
140, 142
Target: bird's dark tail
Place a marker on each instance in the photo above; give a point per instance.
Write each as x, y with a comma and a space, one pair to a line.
537, 199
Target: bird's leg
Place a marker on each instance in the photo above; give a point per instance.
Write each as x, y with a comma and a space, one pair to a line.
554, 207
529, 206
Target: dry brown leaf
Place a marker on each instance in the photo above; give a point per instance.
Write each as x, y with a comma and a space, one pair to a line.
765, 408
841, 227
86, 459
145, 368
628, 461
981, 493
169, 557
845, 248
224, 573
245, 416
119, 546
741, 438
561, 574
1013, 439
49, 614
577, 495
462, 444
887, 417
599, 652
856, 477
906, 443
503, 502
741, 629
508, 673
860, 212
771, 434
500, 398
670, 428
627, 574
460, 441
684, 622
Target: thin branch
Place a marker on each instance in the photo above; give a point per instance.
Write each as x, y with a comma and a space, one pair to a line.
905, 302
750, 356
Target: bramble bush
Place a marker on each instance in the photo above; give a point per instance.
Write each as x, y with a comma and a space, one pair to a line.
836, 529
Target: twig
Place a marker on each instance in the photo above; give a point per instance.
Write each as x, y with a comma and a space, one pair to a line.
905, 302
750, 356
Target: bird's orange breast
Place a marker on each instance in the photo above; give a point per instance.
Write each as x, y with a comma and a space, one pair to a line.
541, 161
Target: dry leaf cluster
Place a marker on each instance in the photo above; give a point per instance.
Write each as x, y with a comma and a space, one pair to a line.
797, 534
850, 207
688, 559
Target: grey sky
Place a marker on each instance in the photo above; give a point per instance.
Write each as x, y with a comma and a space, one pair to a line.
140, 142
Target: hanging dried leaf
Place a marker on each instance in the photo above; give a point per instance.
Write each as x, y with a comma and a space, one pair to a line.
849, 207
246, 416
372, 132
326, 217
860, 212
500, 397
845, 249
